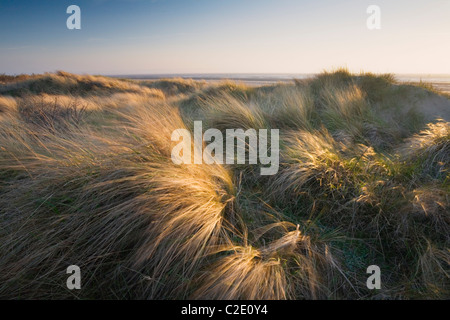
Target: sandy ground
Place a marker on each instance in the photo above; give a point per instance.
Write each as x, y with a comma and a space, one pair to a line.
434, 107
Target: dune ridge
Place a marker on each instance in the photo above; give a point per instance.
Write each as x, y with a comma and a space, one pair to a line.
86, 178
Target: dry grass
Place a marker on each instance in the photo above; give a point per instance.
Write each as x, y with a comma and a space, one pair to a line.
86, 178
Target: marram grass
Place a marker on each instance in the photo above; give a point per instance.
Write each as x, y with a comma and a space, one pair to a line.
86, 178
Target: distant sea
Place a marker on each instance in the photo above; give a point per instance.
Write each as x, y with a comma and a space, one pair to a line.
440, 81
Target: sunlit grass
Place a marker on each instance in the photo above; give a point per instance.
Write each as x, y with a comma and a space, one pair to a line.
86, 178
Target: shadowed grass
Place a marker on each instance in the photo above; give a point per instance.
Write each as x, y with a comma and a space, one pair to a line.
86, 178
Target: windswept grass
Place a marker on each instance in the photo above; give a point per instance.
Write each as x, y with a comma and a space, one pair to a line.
86, 178
174, 86
64, 83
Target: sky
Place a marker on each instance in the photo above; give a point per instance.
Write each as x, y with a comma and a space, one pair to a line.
224, 36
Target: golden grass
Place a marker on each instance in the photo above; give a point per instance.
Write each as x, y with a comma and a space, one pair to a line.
86, 178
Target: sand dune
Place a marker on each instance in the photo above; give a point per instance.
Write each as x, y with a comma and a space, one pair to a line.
87, 179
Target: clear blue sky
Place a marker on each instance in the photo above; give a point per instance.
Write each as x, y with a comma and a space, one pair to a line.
224, 36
